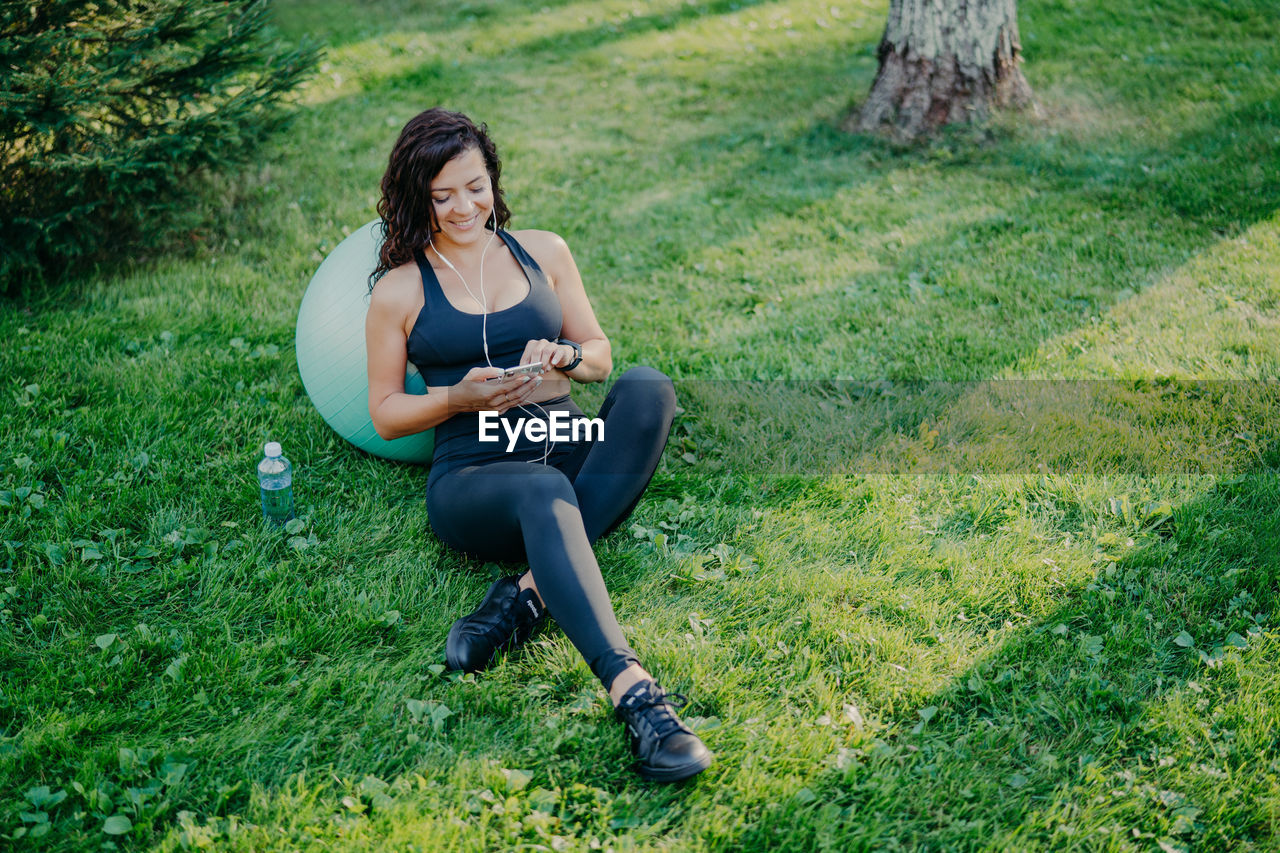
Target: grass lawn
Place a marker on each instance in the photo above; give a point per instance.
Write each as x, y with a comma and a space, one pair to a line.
966, 537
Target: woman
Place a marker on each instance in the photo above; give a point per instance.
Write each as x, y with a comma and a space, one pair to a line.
462, 298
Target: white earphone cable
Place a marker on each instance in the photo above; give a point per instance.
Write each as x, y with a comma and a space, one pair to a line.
484, 326
484, 307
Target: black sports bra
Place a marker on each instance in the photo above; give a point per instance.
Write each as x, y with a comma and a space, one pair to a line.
445, 343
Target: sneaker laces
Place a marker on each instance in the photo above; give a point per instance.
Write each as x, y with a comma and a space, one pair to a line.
659, 712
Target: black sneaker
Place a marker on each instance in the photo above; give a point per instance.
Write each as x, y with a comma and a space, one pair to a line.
506, 618
668, 750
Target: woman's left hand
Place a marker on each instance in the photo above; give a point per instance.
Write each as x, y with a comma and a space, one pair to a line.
551, 354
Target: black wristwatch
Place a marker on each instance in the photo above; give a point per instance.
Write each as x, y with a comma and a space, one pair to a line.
577, 354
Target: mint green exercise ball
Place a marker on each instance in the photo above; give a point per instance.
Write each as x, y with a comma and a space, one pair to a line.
331, 353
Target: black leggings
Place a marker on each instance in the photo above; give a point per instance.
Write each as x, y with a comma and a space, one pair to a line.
550, 515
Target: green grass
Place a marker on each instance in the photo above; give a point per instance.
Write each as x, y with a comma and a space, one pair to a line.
992, 611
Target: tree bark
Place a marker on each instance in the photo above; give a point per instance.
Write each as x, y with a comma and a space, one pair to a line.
943, 62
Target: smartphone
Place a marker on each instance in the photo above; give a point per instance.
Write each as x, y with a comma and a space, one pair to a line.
519, 370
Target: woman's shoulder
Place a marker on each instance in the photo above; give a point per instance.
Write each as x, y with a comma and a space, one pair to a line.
547, 247
537, 241
400, 288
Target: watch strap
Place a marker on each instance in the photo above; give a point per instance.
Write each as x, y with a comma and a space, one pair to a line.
577, 354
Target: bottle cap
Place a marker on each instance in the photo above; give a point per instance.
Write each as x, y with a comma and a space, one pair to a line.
272, 448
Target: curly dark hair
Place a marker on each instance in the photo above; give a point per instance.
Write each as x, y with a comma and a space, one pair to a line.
430, 139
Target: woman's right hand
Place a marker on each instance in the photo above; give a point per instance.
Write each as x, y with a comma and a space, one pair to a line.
476, 394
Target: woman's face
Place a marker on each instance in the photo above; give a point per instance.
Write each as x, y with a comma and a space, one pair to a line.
462, 196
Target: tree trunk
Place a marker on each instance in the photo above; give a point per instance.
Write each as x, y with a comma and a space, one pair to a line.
942, 62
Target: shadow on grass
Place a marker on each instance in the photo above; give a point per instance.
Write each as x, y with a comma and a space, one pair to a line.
1219, 173
1103, 428
633, 24
983, 293
1075, 723
405, 17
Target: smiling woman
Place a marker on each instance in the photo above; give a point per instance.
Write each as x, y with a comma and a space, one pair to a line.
460, 194
462, 298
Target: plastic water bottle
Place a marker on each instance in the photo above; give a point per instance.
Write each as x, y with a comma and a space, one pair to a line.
275, 476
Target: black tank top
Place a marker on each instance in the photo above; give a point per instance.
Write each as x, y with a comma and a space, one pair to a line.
445, 343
